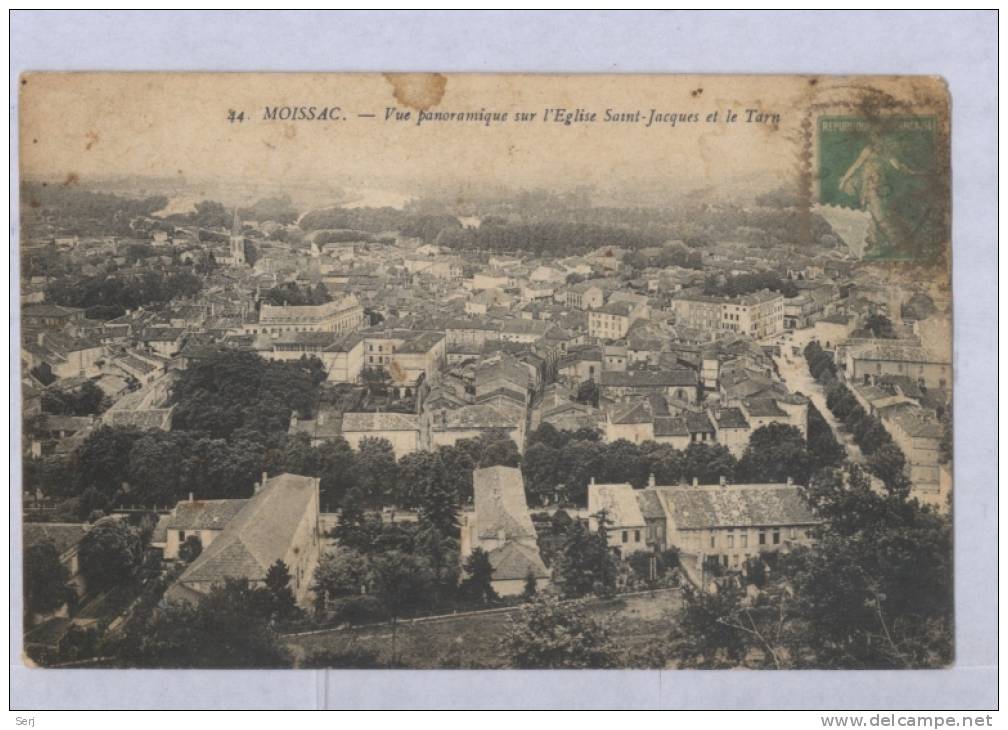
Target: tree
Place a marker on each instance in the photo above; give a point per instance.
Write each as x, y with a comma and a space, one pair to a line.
880, 326
479, 576
109, 554
340, 573
703, 636
775, 453
823, 447
377, 472
541, 473
101, 462
356, 530
402, 581
585, 564
588, 393
278, 579
888, 463
708, 463
547, 634
46, 579
227, 629
190, 549
530, 589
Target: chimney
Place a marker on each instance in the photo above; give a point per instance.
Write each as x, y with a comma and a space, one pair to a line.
294, 418
191, 497
790, 481
696, 482
722, 481
591, 483
651, 480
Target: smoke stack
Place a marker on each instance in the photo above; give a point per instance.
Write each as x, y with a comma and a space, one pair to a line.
191, 497
696, 482
651, 480
591, 483
790, 481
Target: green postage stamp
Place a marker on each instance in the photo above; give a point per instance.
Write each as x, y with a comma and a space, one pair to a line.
884, 171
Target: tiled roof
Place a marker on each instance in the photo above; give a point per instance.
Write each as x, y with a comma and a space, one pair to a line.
648, 378
619, 501
476, 416
736, 505
354, 422
499, 500
147, 419
670, 426
731, 418
637, 411
763, 408
514, 561
63, 535
211, 514
698, 423
650, 505
258, 535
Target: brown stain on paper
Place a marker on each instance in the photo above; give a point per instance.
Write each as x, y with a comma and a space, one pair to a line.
92, 140
418, 91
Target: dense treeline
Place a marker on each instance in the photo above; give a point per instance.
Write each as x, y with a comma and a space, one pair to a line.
238, 393
547, 238
85, 212
294, 295
107, 296
380, 220
742, 284
886, 459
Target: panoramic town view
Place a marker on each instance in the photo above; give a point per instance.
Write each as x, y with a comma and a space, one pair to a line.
528, 429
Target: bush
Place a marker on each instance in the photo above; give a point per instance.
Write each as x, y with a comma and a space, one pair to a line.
357, 610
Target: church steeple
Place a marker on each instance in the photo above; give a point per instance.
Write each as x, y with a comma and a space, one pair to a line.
237, 241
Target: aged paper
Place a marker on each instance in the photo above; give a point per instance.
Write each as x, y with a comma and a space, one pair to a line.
485, 371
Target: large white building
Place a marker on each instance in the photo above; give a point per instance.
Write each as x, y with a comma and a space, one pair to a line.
341, 316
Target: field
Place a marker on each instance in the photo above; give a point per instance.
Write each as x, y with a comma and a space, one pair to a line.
472, 641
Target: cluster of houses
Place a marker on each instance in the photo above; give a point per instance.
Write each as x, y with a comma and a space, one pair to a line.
498, 343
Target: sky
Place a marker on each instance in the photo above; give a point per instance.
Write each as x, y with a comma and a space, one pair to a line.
88, 127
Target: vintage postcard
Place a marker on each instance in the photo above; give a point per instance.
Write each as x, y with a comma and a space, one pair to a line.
485, 371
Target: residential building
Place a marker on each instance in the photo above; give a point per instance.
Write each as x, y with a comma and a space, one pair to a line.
342, 316
625, 524
204, 519
279, 522
734, 522
402, 430
500, 525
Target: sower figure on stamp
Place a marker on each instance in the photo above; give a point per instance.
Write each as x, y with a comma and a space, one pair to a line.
871, 164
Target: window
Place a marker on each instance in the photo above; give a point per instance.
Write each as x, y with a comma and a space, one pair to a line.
636, 535
626, 536
762, 537
731, 541
181, 536
794, 533
776, 537
713, 539
744, 540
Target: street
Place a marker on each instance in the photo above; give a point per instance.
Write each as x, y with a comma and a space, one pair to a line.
794, 373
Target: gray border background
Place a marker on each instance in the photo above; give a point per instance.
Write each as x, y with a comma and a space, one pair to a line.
960, 46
